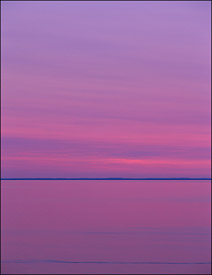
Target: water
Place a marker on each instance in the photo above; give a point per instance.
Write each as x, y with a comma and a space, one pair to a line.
108, 227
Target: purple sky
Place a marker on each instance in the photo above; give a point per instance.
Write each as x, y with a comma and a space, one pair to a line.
106, 89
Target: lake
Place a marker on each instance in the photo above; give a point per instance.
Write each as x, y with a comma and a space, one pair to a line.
106, 227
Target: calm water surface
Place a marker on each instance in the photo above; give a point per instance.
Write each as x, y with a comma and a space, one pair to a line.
89, 227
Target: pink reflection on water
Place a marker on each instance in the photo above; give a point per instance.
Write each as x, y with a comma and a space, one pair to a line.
98, 221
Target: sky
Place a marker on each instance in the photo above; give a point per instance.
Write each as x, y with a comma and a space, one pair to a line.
106, 89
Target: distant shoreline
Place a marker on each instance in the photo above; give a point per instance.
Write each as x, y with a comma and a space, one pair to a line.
105, 178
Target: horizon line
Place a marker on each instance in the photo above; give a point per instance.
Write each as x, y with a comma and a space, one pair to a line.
100, 262
110, 178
